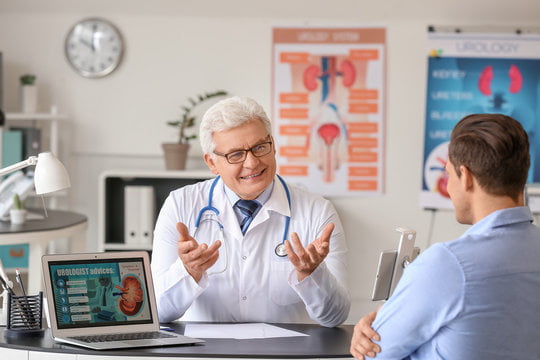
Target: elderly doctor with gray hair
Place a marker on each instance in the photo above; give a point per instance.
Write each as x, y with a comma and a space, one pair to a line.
246, 246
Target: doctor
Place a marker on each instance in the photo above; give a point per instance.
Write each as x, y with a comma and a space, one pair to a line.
280, 259
104, 299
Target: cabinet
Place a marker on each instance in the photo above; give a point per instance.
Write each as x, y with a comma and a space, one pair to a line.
114, 218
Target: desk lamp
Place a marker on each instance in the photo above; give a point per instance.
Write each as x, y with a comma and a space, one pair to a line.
50, 174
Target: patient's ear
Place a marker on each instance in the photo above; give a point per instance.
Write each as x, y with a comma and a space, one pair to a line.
467, 178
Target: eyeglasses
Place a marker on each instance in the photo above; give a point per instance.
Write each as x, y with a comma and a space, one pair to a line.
238, 156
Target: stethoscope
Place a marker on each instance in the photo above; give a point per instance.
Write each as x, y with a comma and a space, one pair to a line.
280, 248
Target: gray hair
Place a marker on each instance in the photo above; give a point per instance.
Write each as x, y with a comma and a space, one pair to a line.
228, 114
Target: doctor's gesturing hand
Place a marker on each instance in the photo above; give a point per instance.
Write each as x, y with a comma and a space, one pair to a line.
196, 258
306, 259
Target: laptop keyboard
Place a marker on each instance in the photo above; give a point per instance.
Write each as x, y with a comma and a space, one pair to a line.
123, 337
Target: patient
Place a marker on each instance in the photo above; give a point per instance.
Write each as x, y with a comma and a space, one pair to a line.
477, 297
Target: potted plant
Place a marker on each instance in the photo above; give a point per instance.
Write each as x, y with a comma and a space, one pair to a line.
28, 93
28, 79
18, 212
176, 153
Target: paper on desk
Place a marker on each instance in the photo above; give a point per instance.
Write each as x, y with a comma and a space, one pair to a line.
238, 331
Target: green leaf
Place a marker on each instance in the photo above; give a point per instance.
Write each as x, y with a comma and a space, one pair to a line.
17, 202
27, 79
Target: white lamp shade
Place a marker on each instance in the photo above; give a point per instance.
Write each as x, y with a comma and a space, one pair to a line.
50, 174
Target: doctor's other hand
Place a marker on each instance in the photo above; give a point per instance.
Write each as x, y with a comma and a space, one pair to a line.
196, 258
362, 340
306, 259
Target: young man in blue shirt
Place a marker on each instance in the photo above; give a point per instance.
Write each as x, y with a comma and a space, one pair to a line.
476, 297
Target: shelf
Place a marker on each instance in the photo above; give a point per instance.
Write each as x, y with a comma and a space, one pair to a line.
112, 217
48, 123
158, 174
126, 247
33, 116
53, 116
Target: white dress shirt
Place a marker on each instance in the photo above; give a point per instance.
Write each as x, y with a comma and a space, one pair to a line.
256, 285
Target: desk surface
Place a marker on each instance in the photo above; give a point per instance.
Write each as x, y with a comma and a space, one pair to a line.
56, 220
322, 343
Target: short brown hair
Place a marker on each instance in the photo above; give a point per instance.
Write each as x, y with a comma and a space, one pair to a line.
495, 149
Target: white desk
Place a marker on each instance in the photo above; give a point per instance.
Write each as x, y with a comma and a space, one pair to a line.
38, 233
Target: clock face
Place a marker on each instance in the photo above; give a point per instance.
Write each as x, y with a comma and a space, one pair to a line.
94, 47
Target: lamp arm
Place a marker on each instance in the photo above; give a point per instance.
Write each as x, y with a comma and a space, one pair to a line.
32, 160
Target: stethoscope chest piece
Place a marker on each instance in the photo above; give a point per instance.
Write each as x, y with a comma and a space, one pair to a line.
280, 250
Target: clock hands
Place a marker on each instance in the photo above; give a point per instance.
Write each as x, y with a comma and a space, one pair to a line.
94, 32
93, 42
88, 44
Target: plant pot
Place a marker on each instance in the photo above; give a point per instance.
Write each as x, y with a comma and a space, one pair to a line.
18, 216
175, 155
29, 99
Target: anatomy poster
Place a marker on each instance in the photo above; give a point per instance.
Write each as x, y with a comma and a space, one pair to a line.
477, 73
328, 107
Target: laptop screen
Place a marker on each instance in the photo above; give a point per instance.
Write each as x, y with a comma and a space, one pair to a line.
99, 292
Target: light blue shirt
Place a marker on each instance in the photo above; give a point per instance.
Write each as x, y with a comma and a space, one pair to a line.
477, 297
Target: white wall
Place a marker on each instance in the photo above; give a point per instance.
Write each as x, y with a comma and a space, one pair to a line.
178, 48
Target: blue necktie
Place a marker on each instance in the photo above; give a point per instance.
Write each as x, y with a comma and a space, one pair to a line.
247, 208
104, 297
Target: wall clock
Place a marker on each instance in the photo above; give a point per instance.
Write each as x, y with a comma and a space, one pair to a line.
94, 47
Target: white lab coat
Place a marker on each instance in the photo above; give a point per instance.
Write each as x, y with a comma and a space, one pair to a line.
111, 304
257, 285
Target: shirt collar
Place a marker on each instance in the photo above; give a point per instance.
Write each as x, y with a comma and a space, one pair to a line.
502, 217
263, 198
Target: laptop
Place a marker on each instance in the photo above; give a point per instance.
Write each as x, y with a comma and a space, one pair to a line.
104, 301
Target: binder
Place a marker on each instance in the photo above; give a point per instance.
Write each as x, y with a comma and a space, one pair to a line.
31, 141
12, 147
139, 214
